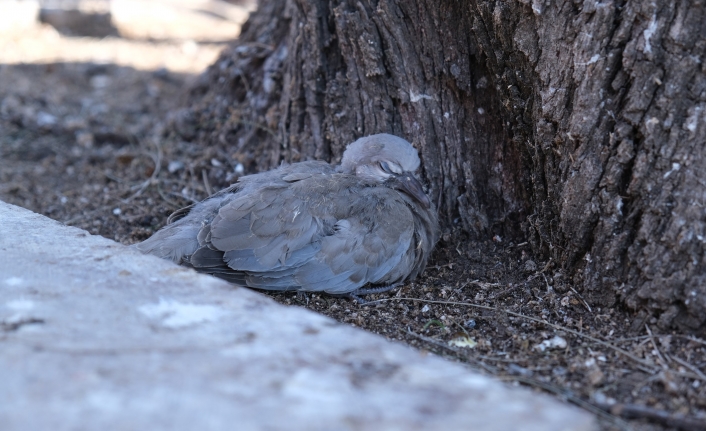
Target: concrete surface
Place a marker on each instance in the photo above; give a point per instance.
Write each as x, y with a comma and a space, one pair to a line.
94, 335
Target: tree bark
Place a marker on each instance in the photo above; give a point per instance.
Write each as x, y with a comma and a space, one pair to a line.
576, 125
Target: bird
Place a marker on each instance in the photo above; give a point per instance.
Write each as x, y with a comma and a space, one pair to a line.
364, 226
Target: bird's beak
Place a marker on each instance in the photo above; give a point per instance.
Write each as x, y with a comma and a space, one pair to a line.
408, 184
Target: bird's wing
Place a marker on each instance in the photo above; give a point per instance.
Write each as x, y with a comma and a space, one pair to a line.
178, 240
313, 234
370, 246
260, 234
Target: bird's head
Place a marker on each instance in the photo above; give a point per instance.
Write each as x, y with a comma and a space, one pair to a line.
386, 159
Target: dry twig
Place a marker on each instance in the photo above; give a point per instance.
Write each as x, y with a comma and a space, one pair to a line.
654, 344
206, 183
157, 159
583, 301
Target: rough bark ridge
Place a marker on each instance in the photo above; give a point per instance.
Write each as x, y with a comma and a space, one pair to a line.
585, 120
616, 140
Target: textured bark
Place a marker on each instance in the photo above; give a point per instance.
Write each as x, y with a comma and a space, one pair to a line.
577, 125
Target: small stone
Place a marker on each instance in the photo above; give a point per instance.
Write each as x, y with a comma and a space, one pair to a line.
556, 342
45, 119
530, 266
601, 398
174, 166
596, 376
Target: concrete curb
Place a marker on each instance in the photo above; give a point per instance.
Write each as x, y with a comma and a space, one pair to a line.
94, 335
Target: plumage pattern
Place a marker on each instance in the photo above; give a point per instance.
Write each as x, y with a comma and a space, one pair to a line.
311, 226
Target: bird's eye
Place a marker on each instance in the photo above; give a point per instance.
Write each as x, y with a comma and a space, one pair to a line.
385, 167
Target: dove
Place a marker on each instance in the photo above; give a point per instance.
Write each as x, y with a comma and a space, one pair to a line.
364, 226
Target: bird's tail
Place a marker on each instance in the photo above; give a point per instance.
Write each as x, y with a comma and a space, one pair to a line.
174, 242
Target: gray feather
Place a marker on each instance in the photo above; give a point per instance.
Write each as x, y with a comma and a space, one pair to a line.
311, 226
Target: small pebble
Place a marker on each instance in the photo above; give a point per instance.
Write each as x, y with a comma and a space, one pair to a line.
175, 166
530, 266
553, 343
601, 398
45, 119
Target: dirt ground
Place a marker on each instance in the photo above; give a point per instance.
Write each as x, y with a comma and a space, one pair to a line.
87, 142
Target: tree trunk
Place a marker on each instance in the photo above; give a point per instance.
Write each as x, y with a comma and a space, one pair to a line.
576, 125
